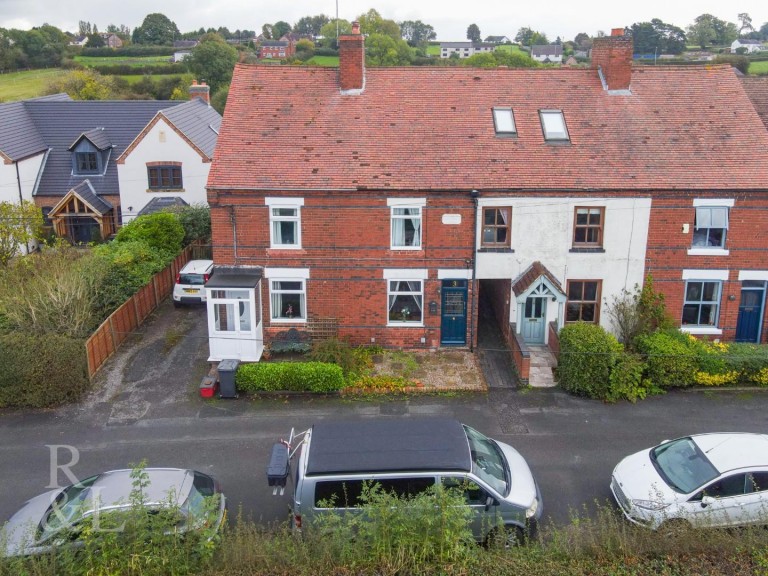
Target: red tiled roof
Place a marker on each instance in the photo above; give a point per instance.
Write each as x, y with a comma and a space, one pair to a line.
757, 90
423, 128
530, 275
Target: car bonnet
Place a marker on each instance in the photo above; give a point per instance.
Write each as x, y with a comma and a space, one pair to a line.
639, 480
19, 532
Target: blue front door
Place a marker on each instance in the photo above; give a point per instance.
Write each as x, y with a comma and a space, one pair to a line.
750, 311
453, 322
534, 320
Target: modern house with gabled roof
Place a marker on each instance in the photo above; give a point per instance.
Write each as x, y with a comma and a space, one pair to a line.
91, 165
406, 200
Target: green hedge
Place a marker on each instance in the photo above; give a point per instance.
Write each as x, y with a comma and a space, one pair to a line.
289, 376
38, 371
587, 355
671, 358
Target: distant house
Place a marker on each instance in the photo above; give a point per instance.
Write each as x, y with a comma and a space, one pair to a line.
78, 41
185, 44
111, 40
93, 165
547, 53
181, 55
498, 40
464, 49
276, 49
750, 46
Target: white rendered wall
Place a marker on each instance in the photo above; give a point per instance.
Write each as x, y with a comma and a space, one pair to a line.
542, 229
28, 172
161, 144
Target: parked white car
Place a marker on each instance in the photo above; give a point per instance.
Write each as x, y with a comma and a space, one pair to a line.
190, 282
701, 480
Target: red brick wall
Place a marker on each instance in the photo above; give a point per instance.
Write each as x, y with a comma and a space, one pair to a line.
351, 62
614, 55
667, 254
346, 240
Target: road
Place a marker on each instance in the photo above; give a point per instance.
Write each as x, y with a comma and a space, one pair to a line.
570, 443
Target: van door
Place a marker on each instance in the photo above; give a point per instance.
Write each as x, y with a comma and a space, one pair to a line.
484, 517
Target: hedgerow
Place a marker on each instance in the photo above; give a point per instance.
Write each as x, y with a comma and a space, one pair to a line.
289, 376
587, 355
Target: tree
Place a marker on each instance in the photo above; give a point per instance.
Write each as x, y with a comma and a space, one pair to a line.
473, 33
280, 29
328, 32
84, 28
528, 37
19, 225
500, 58
657, 37
416, 33
213, 60
156, 30
582, 41
745, 21
702, 31
86, 84
373, 23
95, 41
310, 25
383, 50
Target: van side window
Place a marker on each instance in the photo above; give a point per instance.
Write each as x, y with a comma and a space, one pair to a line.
347, 493
472, 492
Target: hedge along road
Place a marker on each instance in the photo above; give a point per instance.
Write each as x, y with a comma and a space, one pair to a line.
147, 407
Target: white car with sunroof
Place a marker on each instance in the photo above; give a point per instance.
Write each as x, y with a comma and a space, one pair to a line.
700, 480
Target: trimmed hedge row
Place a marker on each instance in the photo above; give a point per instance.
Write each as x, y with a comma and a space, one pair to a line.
289, 376
587, 356
38, 371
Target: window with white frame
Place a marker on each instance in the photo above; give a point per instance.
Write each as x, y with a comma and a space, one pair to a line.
553, 125
285, 222
288, 298
231, 310
702, 302
710, 227
405, 300
406, 227
504, 121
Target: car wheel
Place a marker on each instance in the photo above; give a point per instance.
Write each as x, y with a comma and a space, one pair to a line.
506, 537
674, 526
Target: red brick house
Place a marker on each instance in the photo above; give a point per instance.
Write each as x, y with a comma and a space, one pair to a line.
410, 199
277, 49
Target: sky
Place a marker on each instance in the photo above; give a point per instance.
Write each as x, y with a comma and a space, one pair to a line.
449, 18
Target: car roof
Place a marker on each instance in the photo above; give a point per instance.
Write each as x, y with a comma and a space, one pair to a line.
388, 445
114, 488
734, 450
197, 266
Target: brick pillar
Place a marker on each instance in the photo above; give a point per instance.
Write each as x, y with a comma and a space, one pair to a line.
613, 54
352, 60
202, 91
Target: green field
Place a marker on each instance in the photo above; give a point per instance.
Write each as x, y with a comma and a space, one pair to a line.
127, 61
433, 50
135, 78
758, 67
30, 84
329, 61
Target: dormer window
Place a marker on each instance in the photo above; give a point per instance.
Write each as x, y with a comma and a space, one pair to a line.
86, 159
504, 122
553, 126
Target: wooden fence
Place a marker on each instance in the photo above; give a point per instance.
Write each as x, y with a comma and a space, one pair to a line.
115, 330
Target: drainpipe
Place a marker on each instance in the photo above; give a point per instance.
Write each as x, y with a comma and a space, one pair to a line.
21, 198
475, 195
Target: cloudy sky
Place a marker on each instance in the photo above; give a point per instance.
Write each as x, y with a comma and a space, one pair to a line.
450, 18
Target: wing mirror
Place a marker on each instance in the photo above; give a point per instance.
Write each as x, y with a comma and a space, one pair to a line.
489, 501
706, 501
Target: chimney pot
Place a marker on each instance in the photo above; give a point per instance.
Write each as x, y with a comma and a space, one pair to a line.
201, 90
355, 27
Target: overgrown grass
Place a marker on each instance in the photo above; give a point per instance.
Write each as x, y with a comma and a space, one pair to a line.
29, 84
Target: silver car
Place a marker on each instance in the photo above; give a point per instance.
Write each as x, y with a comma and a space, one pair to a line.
701, 480
52, 519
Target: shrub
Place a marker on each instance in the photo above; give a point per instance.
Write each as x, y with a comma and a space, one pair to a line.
671, 358
626, 380
161, 231
38, 371
353, 361
750, 361
196, 221
587, 356
289, 376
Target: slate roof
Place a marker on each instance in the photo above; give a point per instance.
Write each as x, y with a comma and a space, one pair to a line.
547, 50
19, 137
530, 275
85, 190
161, 203
198, 122
757, 90
431, 128
98, 137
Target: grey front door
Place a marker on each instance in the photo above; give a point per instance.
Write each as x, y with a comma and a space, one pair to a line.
534, 320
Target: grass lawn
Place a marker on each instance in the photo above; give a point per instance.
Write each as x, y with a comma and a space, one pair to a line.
758, 67
135, 78
29, 84
330, 61
433, 50
129, 61
510, 48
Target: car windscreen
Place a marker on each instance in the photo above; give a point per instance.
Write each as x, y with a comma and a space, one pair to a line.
199, 505
68, 507
683, 465
192, 279
488, 462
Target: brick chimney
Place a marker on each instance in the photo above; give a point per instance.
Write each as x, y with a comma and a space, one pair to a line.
612, 56
352, 61
202, 91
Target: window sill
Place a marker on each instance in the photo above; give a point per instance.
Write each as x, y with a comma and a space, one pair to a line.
285, 247
289, 321
585, 250
491, 250
405, 324
702, 330
405, 248
708, 252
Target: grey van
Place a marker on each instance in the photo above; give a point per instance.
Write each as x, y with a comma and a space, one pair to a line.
407, 456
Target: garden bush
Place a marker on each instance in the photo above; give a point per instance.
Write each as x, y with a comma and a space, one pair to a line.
627, 380
196, 221
750, 361
353, 361
672, 358
38, 371
162, 231
587, 355
289, 376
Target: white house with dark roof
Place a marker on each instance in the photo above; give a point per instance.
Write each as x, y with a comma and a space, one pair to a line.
547, 53
464, 49
750, 46
90, 165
